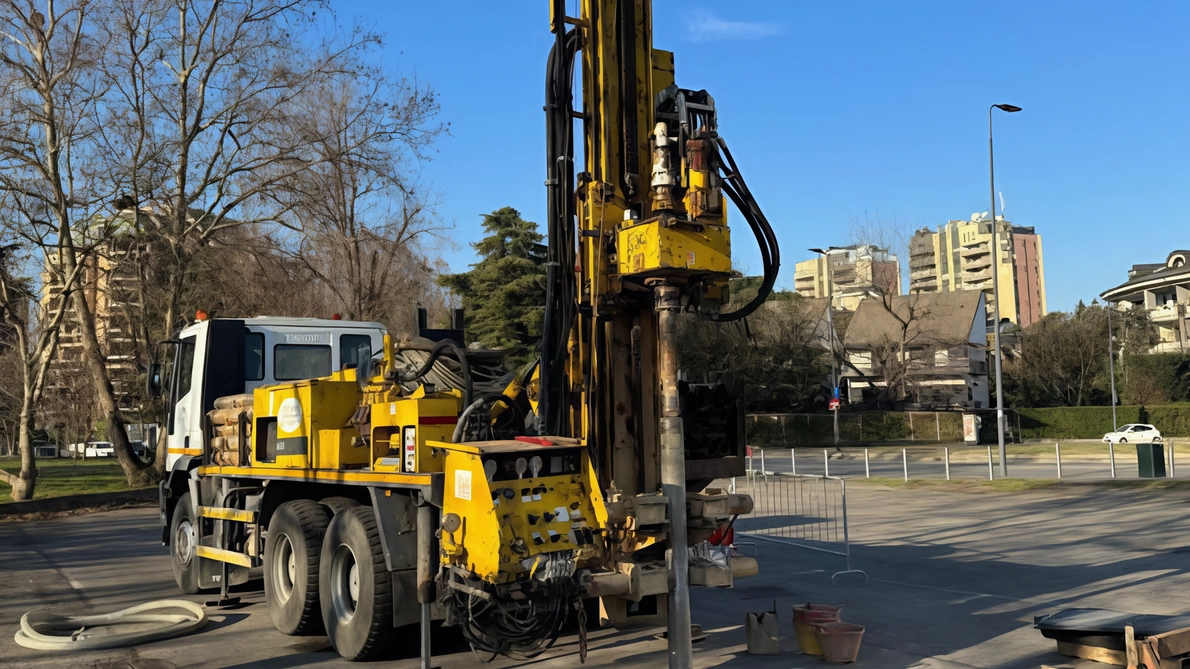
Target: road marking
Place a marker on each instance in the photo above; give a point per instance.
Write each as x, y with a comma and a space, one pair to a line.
75, 584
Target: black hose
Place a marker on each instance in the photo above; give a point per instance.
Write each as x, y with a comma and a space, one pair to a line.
436, 352
561, 291
770, 254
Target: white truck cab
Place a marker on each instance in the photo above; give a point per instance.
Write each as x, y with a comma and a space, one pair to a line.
218, 357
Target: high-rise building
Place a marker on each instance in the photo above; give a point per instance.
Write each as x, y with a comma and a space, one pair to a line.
959, 256
855, 272
109, 280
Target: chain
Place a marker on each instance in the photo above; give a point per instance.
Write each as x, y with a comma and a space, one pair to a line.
582, 630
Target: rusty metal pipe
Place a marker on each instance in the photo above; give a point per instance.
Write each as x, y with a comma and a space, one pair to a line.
426, 526
673, 476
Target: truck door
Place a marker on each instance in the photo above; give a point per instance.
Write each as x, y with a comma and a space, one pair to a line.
183, 393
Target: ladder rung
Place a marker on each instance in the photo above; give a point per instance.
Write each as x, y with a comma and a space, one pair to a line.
222, 555
221, 513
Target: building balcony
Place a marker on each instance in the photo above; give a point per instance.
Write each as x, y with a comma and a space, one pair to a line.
1164, 313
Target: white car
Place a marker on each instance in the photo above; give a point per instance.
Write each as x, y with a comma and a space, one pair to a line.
1136, 433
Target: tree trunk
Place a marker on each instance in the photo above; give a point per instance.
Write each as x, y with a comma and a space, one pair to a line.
171, 317
24, 483
135, 469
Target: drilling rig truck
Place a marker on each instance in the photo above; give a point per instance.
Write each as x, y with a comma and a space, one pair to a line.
378, 483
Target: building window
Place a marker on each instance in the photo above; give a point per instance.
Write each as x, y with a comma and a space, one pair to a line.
860, 358
941, 358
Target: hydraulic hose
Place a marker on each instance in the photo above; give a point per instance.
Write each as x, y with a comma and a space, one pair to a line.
74, 631
770, 254
440, 348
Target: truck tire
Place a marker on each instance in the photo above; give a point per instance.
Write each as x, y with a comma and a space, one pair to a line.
336, 505
183, 537
356, 588
291, 562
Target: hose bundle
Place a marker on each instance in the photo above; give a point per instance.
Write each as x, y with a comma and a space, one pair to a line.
495, 623
75, 632
770, 255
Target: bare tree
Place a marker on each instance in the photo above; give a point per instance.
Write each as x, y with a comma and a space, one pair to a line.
48, 162
203, 98
364, 219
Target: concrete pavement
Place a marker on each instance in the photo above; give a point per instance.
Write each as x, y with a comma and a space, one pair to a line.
955, 581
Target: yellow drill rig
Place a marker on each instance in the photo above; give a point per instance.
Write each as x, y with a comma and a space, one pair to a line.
394, 480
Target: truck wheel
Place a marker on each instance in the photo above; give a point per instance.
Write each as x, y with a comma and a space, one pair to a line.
291, 560
183, 537
355, 586
336, 505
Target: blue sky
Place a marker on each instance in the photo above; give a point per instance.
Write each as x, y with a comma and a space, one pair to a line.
842, 110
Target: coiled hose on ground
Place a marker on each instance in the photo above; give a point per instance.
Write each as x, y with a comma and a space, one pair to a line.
42, 630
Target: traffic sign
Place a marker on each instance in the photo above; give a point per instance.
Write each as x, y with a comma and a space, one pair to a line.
834, 403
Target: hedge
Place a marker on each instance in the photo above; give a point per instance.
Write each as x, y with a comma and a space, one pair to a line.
814, 429
1173, 420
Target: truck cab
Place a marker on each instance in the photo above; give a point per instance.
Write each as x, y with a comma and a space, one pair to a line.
222, 356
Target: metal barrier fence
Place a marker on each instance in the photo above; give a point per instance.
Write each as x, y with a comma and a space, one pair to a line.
799, 510
1078, 460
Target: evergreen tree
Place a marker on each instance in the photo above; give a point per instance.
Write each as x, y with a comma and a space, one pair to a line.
504, 293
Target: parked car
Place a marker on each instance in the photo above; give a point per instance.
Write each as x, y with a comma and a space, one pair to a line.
1135, 433
100, 449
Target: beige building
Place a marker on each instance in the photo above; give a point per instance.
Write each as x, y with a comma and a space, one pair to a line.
959, 256
109, 280
855, 272
1163, 290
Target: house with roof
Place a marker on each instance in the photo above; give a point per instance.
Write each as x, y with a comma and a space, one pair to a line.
1163, 290
918, 351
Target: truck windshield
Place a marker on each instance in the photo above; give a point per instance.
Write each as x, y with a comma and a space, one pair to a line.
300, 361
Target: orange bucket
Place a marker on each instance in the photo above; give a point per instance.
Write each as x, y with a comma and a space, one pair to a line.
805, 617
839, 641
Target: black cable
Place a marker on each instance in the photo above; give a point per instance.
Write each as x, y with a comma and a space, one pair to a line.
436, 352
736, 188
561, 291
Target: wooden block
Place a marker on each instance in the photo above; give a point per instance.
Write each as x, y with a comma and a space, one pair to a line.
1130, 647
1172, 643
1106, 655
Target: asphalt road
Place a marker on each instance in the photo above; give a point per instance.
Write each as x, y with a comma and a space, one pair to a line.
955, 581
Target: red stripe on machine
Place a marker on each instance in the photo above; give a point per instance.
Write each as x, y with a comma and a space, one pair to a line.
437, 420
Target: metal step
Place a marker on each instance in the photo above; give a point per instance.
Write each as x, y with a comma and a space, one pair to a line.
231, 557
221, 513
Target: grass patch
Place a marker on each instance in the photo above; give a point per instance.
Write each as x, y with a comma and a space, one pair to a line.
1018, 485
62, 476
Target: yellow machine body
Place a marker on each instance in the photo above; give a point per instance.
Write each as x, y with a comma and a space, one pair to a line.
304, 424
309, 424
653, 248
506, 523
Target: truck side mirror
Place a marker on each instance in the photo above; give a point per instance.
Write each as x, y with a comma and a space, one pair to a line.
153, 380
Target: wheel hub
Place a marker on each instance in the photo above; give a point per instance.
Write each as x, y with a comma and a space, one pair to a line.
285, 569
344, 583
184, 542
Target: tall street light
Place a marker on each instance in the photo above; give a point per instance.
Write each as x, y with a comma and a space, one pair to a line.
996, 295
1111, 364
830, 307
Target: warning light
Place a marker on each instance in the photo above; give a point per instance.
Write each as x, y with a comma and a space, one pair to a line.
200, 315
336, 317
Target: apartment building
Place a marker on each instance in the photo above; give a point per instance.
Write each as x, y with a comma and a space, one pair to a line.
959, 256
1162, 289
110, 282
854, 273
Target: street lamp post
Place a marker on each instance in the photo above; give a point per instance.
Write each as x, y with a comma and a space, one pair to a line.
996, 295
830, 307
1111, 364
